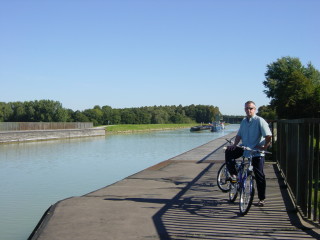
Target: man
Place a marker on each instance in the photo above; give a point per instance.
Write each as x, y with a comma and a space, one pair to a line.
254, 132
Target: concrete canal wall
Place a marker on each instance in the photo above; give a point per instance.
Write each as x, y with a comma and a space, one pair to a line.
40, 135
28, 126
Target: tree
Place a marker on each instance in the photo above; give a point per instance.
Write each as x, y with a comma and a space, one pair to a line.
128, 117
19, 112
61, 115
267, 112
293, 88
116, 116
191, 111
206, 113
143, 115
159, 116
94, 115
80, 117
107, 115
5, 112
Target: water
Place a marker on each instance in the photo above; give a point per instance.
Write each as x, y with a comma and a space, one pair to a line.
35, 175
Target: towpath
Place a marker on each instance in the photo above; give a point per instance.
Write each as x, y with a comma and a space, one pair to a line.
175, 199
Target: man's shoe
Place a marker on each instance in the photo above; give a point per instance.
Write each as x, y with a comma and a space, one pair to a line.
233, 178
261, 203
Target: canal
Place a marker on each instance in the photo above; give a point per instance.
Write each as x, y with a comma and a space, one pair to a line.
35, 175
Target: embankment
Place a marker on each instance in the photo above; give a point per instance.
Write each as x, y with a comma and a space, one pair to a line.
41, 135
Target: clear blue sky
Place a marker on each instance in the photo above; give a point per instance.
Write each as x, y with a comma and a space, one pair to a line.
133, 53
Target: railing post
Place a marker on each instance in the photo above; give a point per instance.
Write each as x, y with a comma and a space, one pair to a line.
316, 163
309, 164
302, 170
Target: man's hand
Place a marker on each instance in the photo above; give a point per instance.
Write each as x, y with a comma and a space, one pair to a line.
268, 142
234, 145
266, 145
231, 147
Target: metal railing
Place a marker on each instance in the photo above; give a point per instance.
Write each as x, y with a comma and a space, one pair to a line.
296, 150
23, 126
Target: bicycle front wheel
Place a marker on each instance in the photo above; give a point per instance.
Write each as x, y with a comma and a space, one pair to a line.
246, 195
223, 178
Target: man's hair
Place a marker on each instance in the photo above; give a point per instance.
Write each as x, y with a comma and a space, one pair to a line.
252, 102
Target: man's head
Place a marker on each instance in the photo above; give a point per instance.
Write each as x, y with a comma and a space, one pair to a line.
250, 109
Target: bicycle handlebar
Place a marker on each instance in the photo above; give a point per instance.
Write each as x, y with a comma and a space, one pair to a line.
253, 150
229, 141
248, 149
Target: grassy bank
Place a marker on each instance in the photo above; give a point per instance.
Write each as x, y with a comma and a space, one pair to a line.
127, 128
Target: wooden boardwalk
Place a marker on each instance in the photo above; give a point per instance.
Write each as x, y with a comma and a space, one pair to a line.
176, 199
202, 211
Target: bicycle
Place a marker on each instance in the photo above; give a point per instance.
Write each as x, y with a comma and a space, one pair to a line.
244, 184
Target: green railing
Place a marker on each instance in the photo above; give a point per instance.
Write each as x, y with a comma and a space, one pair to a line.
296, 150
23, 126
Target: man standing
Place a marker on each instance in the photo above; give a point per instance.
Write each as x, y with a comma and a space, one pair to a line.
254, 133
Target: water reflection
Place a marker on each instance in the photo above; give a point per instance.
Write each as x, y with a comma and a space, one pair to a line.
37, 174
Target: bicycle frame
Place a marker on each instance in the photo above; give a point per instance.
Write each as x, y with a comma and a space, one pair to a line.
244, 169
245, 182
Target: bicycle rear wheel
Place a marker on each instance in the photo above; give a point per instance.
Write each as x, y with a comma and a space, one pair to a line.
223, 178
246, 195
233, 193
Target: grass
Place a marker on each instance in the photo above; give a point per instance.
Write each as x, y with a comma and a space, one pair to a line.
144, 127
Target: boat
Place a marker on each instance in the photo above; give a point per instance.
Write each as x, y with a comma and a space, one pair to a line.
200, 128
217, 126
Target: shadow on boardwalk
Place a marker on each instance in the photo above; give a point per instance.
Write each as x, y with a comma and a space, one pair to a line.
202, 211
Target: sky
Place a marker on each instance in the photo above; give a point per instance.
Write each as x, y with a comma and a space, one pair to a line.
135, 53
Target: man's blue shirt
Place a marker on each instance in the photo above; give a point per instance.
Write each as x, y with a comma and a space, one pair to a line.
253, 132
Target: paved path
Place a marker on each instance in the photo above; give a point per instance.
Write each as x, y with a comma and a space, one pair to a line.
175, 199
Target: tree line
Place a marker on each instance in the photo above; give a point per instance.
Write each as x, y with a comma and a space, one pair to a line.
52, 111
